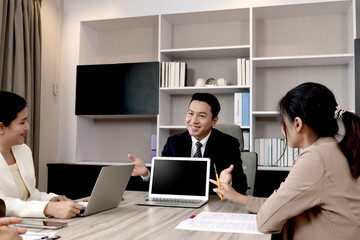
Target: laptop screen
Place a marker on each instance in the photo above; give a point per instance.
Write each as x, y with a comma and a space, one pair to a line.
180, 176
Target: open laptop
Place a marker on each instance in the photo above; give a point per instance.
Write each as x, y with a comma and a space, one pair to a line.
108, 189
178, 182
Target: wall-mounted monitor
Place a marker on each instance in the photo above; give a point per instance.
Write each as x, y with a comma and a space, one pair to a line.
117, 89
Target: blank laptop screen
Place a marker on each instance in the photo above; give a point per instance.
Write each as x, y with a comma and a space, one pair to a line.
179, 177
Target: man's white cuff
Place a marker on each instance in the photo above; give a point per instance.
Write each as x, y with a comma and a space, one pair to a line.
147, 178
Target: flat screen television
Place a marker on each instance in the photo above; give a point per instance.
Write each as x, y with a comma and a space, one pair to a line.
117, 89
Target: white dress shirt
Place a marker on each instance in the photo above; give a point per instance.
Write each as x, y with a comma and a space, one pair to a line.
203, 142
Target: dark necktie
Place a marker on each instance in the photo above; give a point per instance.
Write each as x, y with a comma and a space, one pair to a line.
198, 150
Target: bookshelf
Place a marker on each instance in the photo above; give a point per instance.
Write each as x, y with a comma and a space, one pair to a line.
293, 44
286, 45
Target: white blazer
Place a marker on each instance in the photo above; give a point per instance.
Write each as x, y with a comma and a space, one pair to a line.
35, 205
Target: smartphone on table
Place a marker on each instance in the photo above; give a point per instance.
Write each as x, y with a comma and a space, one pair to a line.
29, 223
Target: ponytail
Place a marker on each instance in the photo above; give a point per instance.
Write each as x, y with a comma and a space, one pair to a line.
350, 144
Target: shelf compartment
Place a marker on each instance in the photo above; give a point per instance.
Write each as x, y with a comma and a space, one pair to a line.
338, 78
303, 29
222, 67
103, 41
299, 10
205, 29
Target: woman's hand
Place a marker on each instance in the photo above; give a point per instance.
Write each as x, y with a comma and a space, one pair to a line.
225, 175
11, 233
62, 209
228, 192
60, 198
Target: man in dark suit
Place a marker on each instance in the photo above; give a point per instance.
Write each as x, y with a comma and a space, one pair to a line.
222, 149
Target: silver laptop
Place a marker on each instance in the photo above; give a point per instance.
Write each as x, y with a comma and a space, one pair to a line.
108, 189
178, 182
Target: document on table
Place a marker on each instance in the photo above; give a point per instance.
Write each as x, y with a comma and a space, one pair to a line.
221, 222
35, 235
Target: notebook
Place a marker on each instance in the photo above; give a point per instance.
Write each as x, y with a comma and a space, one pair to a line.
178, 182
108, 189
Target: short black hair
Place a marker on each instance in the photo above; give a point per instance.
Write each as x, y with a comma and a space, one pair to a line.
11, 105
209, 99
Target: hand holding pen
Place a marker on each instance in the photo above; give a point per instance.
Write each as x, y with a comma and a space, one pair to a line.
217, 180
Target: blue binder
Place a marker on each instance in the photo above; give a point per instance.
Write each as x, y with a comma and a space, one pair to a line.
246, 109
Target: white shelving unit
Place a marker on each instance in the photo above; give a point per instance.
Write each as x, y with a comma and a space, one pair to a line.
286, 45
299, 43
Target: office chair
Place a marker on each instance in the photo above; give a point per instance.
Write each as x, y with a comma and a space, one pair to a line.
249, 158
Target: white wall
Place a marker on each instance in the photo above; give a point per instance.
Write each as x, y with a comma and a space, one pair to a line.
51, 18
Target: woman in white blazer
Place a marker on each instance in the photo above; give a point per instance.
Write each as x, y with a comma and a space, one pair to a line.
17, 179
320, 198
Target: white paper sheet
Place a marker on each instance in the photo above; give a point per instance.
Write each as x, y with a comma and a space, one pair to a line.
34, 235
221, 222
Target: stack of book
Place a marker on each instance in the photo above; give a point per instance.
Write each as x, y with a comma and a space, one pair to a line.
243, 72
173, 74
275, 152
242, 109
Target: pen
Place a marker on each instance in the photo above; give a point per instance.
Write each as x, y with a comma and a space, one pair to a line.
49, 237
217, 179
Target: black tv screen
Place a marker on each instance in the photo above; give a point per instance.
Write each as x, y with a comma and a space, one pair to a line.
116, 89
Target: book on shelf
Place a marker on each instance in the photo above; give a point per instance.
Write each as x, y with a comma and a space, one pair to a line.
163, 72
183, 74
243, 71
173, 74
246, 135
167, 75
152, 146
177, 74
242, 109
243, 74
247, 72
272, 152
246, 109
238, 109
239, 74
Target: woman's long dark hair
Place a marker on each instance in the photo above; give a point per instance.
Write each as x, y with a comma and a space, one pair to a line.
315, 104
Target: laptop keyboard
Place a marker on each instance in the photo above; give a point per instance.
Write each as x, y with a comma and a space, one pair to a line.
175, 200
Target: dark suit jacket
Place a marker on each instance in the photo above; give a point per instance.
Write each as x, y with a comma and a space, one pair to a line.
222, 149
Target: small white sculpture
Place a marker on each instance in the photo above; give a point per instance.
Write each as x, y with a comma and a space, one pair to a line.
210, 82
200, 82
221, 82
